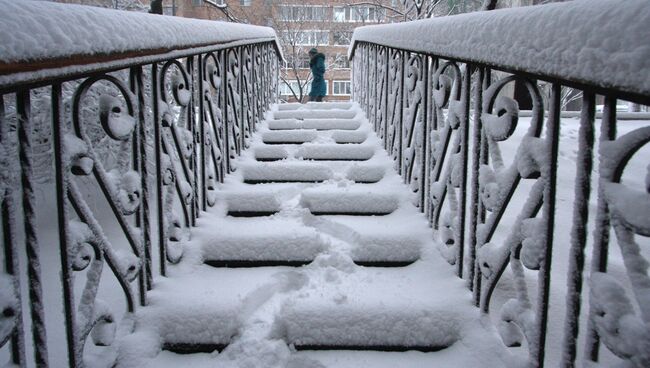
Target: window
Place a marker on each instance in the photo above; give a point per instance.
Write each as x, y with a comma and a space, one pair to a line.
341, 37
293, 13
340, 61
285, 89
306, 38
341, 88
168, 10
358, 14
197, 2
245, 2
301, 62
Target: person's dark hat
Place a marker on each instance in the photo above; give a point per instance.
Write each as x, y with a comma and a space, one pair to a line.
313, 51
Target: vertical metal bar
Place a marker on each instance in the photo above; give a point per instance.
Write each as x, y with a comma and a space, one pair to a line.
191, 125
225, 108
600, 251
385, 101
143, 143
425, 123
202, 121
61, 178
11, 261
464, 155
476, 164
160, 192
579, 229
483, 160
401, 113
548, 214
29, 217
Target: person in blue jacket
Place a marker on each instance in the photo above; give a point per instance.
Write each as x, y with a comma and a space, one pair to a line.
317, 65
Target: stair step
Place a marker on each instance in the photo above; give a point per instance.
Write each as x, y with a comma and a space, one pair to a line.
316, 124
334, 152
348, 202
270, 153
324, 324
289, 136
255, 263
365, 173
315, 114
285, 172
315, 106
276, 240
349, 136
189, 348
250, 203
384, 348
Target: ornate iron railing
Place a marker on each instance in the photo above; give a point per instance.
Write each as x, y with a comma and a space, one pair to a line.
142, 135
436, 93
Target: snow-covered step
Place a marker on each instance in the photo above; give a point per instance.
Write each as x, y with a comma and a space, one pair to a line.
316, 123
358, 202
365, 173
345, 136
275, 242
285, 172
335, 152
315, 106
195, 312
289, 136
376, 309
315, 114
250, 203
270, 153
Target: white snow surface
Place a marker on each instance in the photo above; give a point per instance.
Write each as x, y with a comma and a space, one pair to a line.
602, 42
41, 30
260, 312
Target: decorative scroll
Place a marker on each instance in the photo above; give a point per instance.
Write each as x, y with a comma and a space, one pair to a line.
394, 109
619, 316
413, 126
234, 120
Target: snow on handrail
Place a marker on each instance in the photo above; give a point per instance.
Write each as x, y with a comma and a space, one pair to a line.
599, 43
37, 35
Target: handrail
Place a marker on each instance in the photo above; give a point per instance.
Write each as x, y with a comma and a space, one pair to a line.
45, 40
143, 113
596, 44
444, 95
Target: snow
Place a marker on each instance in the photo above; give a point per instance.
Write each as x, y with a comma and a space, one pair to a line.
348, 201
39, 30
313, 123
598, 42
343, 136
247, 201
315, 114
270, 153
286, 171
289, 136
366, 173
335, 152
272, 240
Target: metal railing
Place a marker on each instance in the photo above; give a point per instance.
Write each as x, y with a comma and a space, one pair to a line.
436, 93
148, 133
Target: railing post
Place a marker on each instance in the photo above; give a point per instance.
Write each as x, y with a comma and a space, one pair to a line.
157, 144
11, 258
582, 190
600, 251
24, 122
61, 179
477, 214
140, 156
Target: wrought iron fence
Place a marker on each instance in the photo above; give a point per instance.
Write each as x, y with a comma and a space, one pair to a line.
152, 134
443, 118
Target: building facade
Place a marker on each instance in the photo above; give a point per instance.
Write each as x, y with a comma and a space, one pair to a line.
300, 25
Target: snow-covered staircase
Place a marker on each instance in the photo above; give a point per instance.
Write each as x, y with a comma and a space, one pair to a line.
313, 245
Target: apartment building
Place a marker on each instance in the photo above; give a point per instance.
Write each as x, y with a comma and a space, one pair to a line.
301, 25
